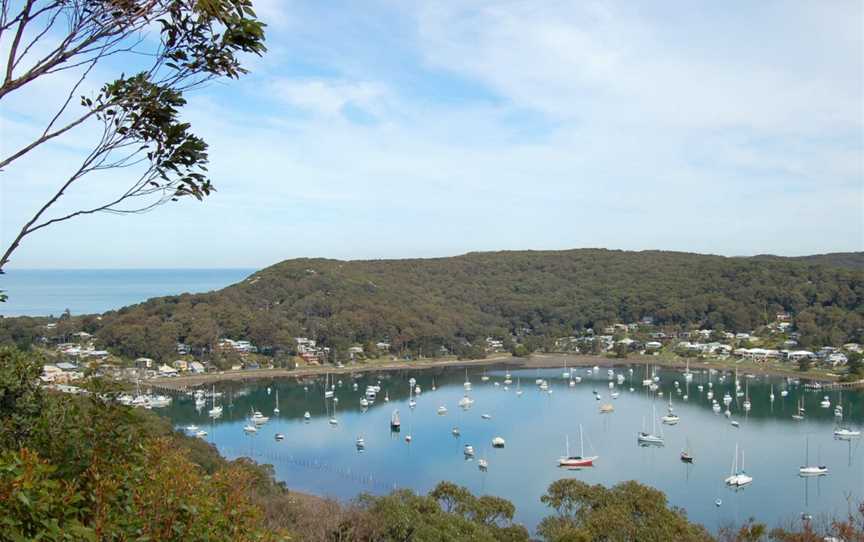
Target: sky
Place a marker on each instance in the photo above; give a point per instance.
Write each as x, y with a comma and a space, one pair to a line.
392, 129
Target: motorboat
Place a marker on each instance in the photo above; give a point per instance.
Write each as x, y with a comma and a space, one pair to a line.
279, 436
395, 423
468, 450
497, 442
442, 410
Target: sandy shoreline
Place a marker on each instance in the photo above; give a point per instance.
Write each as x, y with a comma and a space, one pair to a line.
536, 361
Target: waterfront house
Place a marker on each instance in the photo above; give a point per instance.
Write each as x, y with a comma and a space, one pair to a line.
797, 355
167, 370
196, 367
837, 359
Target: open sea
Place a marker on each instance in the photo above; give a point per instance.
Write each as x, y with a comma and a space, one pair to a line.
43, 292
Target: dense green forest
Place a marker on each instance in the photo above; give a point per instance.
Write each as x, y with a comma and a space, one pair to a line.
849, 260
423, 304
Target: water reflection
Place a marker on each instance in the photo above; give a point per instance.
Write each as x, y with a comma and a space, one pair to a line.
324, 458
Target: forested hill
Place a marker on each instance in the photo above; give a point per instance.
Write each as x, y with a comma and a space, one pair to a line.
849, 260
426, 303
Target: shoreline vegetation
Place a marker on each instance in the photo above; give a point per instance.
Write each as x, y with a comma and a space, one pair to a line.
534, 361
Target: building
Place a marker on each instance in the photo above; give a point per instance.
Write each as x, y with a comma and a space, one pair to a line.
167, 370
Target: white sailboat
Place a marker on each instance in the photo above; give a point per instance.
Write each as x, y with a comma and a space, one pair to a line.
518, 387
328, 391
411, 402
737, 476
800, 414
565, 373
333, 419
844, 433
670, 418
276, 410
811, 470
216, 411
651, 438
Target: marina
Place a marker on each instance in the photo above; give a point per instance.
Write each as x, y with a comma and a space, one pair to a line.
458, 431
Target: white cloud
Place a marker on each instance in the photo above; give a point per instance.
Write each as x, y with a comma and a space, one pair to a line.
511, 125
328, 97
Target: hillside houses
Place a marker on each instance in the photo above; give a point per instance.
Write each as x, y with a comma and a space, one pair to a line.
241, 347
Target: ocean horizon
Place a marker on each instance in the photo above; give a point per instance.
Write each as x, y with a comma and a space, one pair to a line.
45, 292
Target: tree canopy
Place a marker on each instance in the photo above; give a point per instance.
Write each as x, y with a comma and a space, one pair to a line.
421, 305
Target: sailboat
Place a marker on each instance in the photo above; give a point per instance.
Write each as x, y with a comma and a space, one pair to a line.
467, 383
737, 477
276, 410
395, 424
771, 396
518, 387
333, 420
565, 373
670, 418
810, 470
844, 433
646, 438
328, 392
687, 454
747, 403
485, 377
576, 461
411, 402
800, 414
216, 411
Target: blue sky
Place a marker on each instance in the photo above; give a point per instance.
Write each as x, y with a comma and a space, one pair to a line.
388, 129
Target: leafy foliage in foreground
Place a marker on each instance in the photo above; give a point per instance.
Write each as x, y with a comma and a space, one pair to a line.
89, 469
627, 511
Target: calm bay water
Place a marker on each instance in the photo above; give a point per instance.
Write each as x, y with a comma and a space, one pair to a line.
320, 458
42, 292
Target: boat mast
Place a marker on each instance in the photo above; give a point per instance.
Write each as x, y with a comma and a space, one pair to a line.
581, 443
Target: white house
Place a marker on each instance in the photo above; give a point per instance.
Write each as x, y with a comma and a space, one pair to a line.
796, 355
837, 359
167, 370
196, 367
